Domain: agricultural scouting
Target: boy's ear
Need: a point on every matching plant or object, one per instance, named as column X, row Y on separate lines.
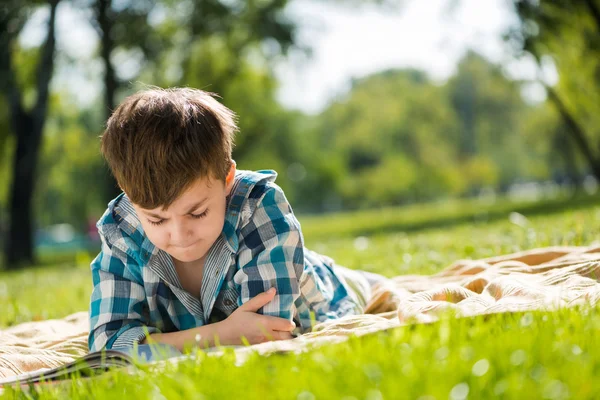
column 230, row 177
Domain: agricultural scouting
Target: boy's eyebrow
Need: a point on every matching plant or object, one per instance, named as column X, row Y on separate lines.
column 192, row 208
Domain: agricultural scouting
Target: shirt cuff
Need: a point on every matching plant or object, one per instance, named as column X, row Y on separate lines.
column 132, row 336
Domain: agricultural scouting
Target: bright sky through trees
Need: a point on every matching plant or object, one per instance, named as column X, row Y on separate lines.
column 347, row 41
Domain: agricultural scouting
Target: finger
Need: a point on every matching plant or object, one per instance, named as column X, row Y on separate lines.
column 278, row 324
column 258, row 301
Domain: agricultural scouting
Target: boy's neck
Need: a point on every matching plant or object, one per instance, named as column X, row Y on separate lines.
column 189, row 264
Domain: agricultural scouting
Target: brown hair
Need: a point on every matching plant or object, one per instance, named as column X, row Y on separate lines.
column 158, row 142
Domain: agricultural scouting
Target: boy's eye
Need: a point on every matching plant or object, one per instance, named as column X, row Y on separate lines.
column 202, row 215
column 195, row 216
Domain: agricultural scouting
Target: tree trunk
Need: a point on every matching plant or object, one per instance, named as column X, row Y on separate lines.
column 28, row 127
column 105, row 23
column 19, row 244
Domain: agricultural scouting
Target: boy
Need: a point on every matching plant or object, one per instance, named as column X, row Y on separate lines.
column 196, row 249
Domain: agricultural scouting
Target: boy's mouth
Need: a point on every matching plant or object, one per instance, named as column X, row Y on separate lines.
column 186, row 246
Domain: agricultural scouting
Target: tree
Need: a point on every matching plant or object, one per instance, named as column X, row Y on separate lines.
column 391, row 139
column 27, row 126
column 396, row 137
column 567, row 34
column 489, row 108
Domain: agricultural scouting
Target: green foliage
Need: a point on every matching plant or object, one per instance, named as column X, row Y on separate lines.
column 396, row 137
column 70, row 171
column 489, row 108
column 372, row 147
column 26, row 62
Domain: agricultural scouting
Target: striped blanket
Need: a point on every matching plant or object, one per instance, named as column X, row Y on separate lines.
column 540, row 279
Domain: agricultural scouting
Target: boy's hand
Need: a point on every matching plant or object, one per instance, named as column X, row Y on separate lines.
column 256, row 328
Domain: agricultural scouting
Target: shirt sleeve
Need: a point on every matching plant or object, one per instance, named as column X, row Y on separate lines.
column 117, row 302
column 271, row 254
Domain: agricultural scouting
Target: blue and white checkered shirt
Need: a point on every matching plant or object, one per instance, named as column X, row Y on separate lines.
column 137, row 290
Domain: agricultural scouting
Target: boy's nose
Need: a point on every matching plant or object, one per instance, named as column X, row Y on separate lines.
column 181, row 235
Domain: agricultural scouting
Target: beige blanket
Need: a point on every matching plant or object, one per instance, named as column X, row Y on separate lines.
column 541, row 279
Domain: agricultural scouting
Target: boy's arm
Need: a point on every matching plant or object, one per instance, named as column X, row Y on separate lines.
column 243, row 326
column 117, row 312
column 117, row 302
column 271, row 254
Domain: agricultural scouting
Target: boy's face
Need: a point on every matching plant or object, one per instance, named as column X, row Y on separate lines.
column 189, row 227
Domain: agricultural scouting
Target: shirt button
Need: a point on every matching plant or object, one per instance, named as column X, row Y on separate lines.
column 228, row 302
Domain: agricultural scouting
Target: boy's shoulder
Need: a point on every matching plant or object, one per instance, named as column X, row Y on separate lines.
column 249, row 188
column 252, row 184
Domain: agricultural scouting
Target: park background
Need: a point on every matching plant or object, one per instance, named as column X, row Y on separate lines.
column 356, row 104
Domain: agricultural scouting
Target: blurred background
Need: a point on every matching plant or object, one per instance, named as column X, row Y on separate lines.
column 357, row 104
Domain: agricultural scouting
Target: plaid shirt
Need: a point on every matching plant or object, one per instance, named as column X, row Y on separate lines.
column 137, row 290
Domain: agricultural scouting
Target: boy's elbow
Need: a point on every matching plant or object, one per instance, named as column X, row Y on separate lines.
column 124, row 336
column 103, row 336
column 96, row 341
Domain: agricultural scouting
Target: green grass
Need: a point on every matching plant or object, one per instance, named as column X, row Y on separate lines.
column 435, row 215
column 43, row 293
column 521, row 355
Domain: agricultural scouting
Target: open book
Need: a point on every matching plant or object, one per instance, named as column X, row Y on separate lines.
column 95, row 363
